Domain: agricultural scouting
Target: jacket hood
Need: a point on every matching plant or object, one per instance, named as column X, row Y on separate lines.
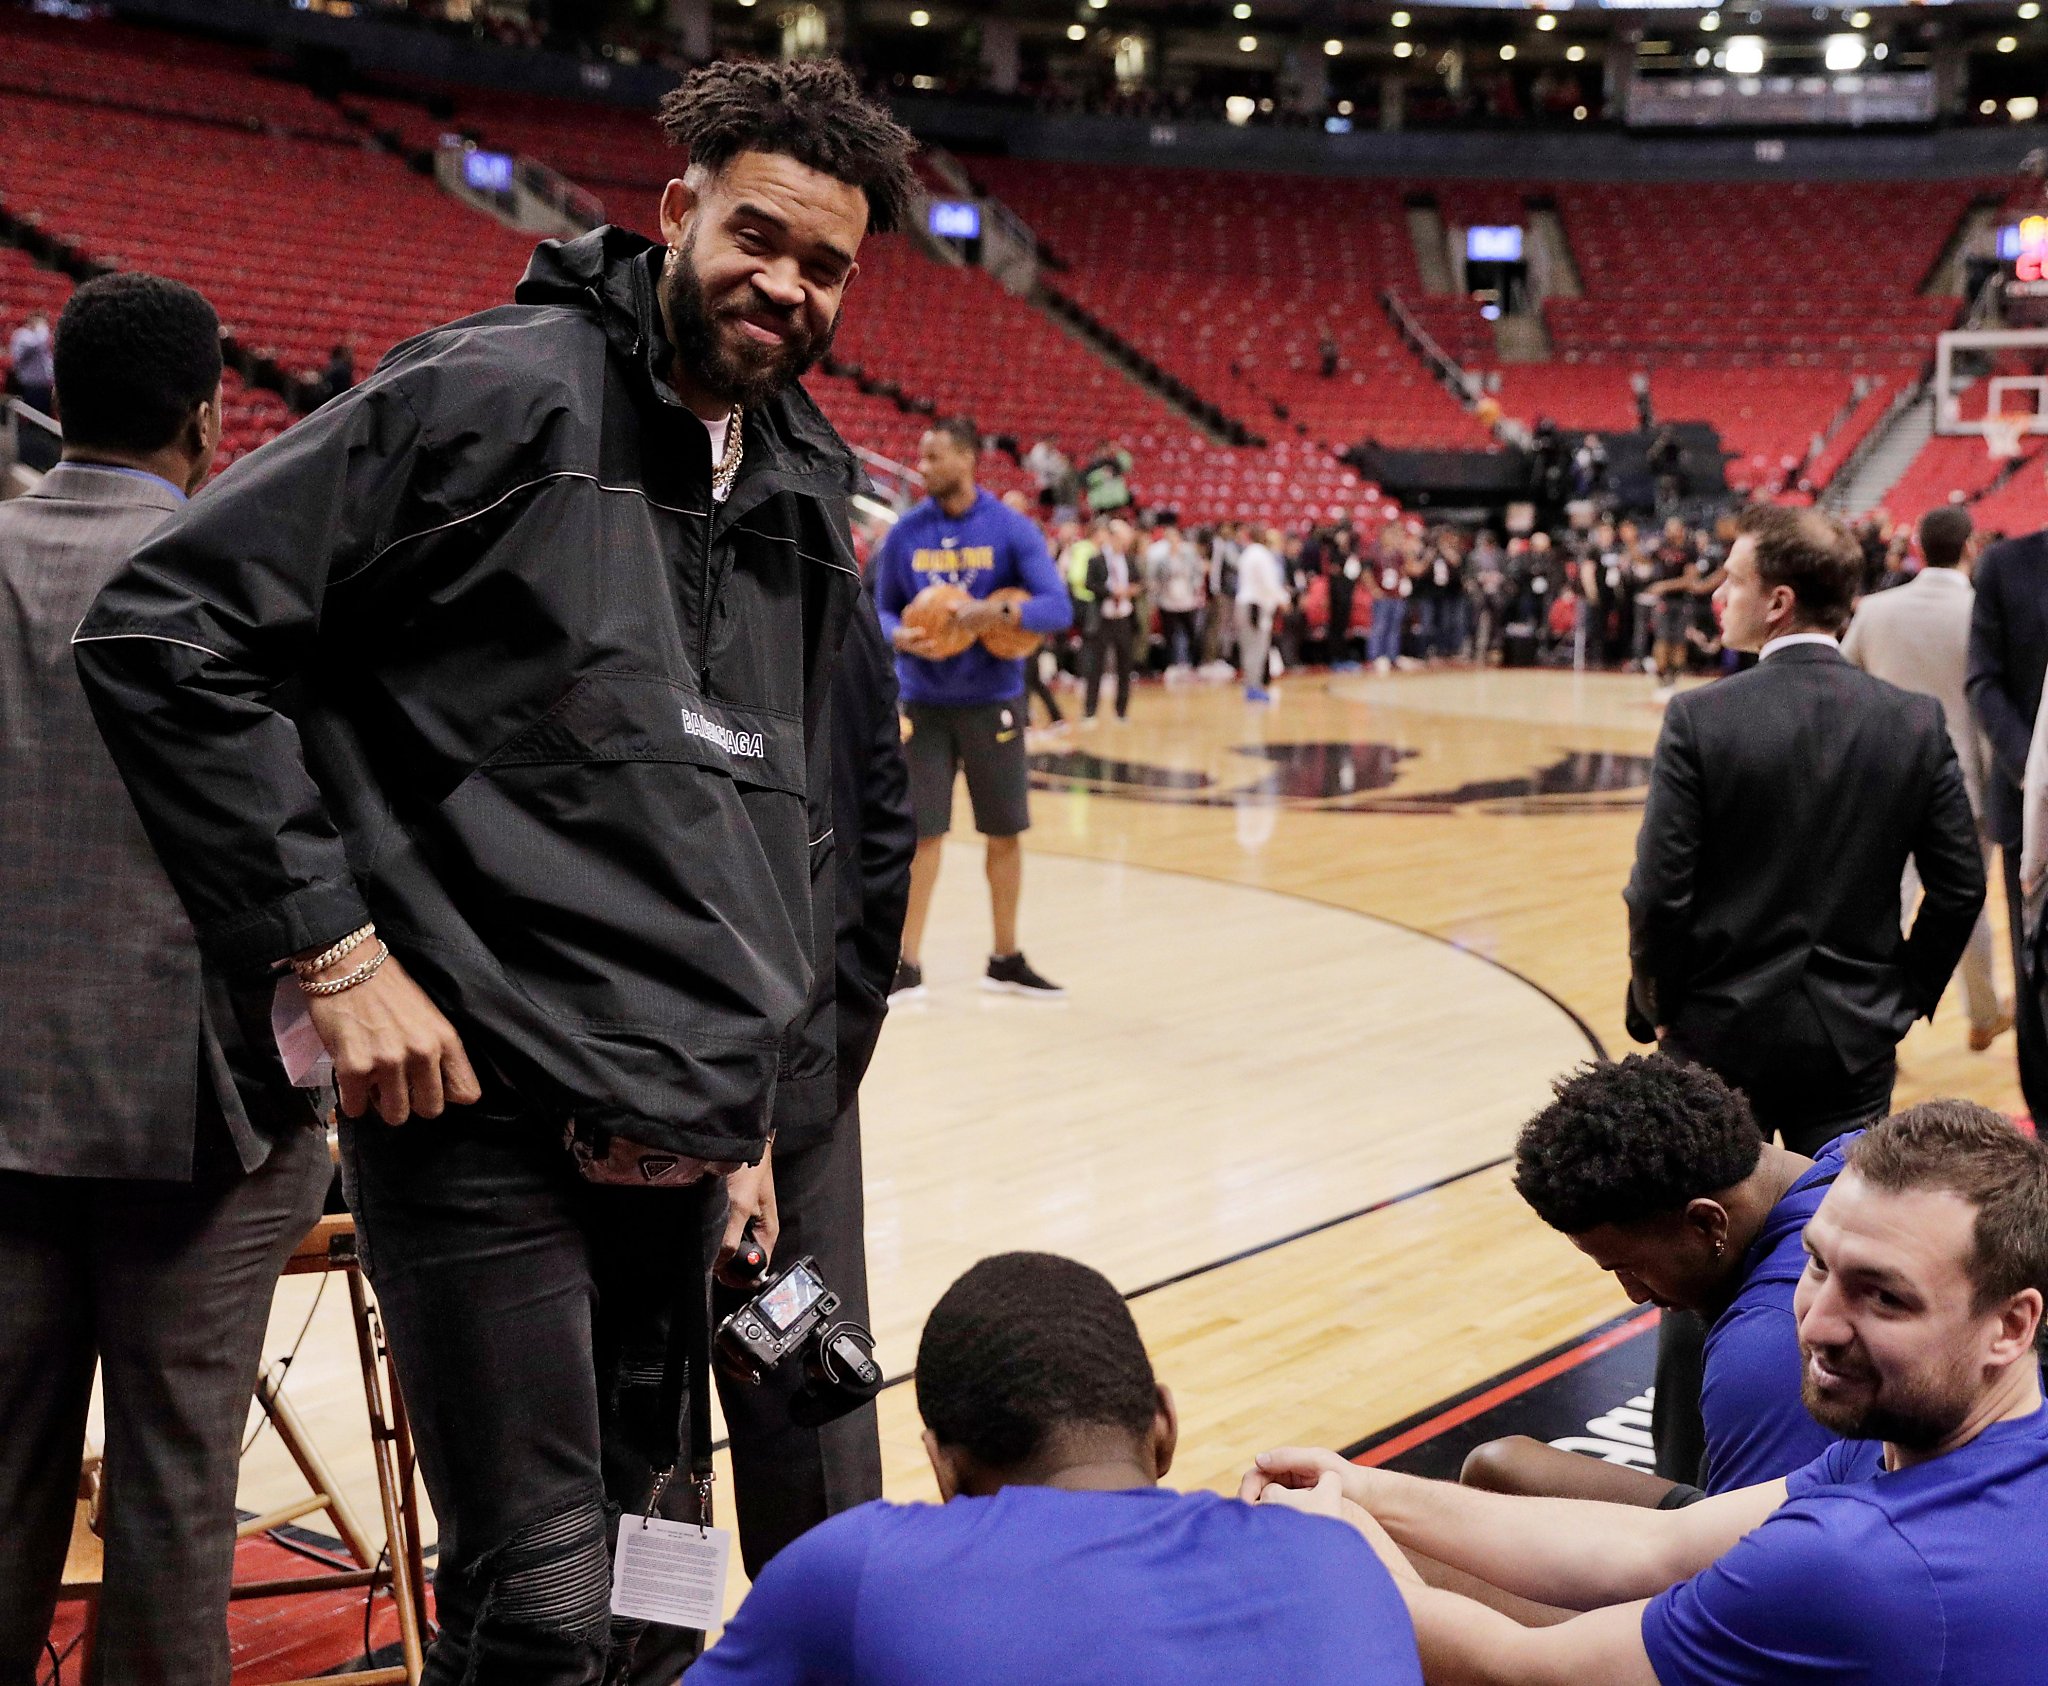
column 610, row 275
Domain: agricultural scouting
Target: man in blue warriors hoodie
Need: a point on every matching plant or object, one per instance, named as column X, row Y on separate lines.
column 967, row 711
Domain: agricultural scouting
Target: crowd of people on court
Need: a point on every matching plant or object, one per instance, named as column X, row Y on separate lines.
column 514, row 738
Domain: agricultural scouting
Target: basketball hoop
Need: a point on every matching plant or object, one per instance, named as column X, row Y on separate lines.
column 2002, row 435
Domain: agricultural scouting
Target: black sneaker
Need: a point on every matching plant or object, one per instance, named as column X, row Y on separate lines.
column 1011, row 974
column 908, row 984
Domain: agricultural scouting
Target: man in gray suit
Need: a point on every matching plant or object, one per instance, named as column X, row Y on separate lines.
column 155, row 1168
column 1917, row 637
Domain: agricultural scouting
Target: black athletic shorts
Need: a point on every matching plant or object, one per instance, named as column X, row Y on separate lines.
column 987, row 739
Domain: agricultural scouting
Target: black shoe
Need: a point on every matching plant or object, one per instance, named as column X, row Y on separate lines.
column 908, row 984
column 1011, row 974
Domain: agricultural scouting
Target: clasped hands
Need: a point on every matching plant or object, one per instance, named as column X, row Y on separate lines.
column 1323, row 1484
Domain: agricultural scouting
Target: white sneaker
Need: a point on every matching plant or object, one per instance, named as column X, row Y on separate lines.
column 1383, row 664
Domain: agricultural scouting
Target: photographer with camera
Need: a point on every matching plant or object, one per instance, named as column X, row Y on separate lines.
column 1056, row 1555
column 487, row 707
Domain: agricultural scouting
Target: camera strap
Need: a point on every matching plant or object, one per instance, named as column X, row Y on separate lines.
column 686, row 1382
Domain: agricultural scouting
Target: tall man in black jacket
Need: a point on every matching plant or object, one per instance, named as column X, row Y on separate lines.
column 1764, row 937
column 515, row 658
column 2008, row 656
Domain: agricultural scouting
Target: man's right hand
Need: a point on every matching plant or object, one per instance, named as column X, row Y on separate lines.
column 914, row 641
column 391, row 1046
column 1303, row 1468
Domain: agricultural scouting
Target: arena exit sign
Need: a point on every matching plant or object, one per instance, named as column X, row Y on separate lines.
column 488, row 172
column 955, row 219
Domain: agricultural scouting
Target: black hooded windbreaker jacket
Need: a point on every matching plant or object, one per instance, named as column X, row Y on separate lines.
column 471, row 652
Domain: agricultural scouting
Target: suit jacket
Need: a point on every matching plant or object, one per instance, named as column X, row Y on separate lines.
column 1917, row 636
column 112, row 1053
column 1784, row 803
column 2008, row 656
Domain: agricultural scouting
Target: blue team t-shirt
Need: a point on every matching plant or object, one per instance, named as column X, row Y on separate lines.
column 1757, row 1428
column 1931, row 1576
column 1034, row 1584
column 983, row 550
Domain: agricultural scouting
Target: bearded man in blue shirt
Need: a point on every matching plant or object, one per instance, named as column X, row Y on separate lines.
column 1927, row 1264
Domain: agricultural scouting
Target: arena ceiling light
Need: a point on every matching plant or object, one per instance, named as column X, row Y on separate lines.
column 1333, row 47
column 1711, row 22
column 1745, row 55
column 1238, row 109
column 1240, row 11
column 2031, row 10
column 1859, row 20
column 919, row 19
column 1545, row 22
column 1508, row 50
column 1578, row 114
column 1575, row 53
column 1345, row 108
column 1400, row 20
column 1077, row 32
column 1702, row 57
column 1404, row 49
column 2008, row 43
column 1845, row 52
column 1247, row 43
column 2023, row 109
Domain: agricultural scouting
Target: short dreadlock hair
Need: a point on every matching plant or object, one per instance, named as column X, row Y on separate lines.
column 1023, row 1346
column 811, row 110
column 1631, row 1140
column 135, row 355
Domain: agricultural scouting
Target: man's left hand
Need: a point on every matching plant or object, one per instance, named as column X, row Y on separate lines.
column 750, row 1196
column 979, row 617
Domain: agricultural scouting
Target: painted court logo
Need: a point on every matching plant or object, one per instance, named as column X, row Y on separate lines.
column 733, row 743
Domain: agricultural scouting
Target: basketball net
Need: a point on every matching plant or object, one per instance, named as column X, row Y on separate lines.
column 2002, row 434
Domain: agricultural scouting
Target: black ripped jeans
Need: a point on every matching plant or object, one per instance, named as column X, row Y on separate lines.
column 528, row 1312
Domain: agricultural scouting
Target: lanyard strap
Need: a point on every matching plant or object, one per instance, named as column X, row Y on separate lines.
column 686, row 1376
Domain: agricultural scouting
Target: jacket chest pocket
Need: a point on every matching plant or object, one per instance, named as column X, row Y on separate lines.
column 642, row 717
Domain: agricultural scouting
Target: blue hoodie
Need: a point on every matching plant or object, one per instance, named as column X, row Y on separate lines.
column 987, row 548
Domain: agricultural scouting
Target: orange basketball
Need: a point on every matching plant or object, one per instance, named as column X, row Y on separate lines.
column 933, row 611
column 1010, row 643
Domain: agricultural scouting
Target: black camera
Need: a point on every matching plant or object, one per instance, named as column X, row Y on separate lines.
column 791, row 1317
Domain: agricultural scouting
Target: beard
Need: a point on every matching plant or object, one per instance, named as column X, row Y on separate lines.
column 716, row 351
column 1916, row 1414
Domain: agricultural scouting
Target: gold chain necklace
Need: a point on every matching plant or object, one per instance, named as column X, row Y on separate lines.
column 728, row 469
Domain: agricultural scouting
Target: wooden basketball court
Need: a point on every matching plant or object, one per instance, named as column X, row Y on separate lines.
column 1322, row 959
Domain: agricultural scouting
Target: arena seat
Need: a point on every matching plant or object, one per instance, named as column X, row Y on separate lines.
column 320, row 241
column 1229, row 281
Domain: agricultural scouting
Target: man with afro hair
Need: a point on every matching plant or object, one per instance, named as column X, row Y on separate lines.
column 1656, row 1171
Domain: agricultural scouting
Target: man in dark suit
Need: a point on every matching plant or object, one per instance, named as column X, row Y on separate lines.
column 1764, row 933
column 155, row 1168
column 2008, row 656
column 1784, row 804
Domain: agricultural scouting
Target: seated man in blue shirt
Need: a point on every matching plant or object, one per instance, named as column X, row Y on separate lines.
column 966, row 710
column 1656, row 1171
column 1926, row 1268
column 1056, row 1556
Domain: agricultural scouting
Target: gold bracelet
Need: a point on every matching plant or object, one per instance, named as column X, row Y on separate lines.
column 340, row 951
column 361, row 975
